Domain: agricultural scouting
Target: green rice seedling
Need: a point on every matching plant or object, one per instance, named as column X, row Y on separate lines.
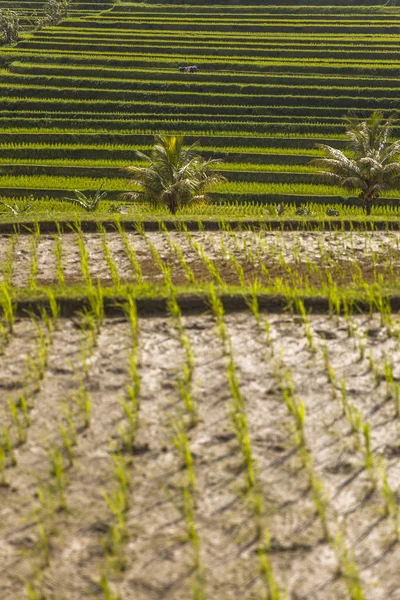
column 43, row 544
column 6, row 444
column 131, row 404
column 208, row 262
column 296, row 409
column 117, row 502
column 83, row 401
column 3, row 477
column 164, row 267
column 58, row 255
column 133, row 388
column 131, row 254
column 112, row 265
column 96, row 302
column 181, row 443
column 348, row 568
column 198, row 592
column 319, row 494
column 24, row 409
column 47, row 507
column 189, row 274
column 4, row 338
column 271, row 587
column 240, row 424
column 32, row 375
column 105, row 587
column 268, row 335
column 218, row 312
column 122, row 475
column 7, row 268
column 252, row 300
column 43, row 343
column 8, row 306
column 48, row 322
column 34, row 592
column 237, row 267
column 129, row 430
column 369, row 456
column 17, row 421
column 33, row 269
column 188, row 488
column 392, row 387
column 328, row 367
column 344, row 397
column 391, row 507
column 57, row 471
column 69, row 441
column 184, row 378
column 354, row 418
column 54, row 306
column 299, row 304
column 84, row 260
column 361, row 343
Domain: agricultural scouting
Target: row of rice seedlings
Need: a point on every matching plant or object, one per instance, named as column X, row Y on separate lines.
column 19, row 409
column 119, row 500
column 112, row 265
column 188, row 490
column 374, row 465
column 60, row 182
column 128, row 148
column 236, row 64
column 130, row 252
column 15, row 434
column 59, row 258
column 252, row 494
column 169, row 125
column 269, row 84
column 61, row 453
column 131, row 403
column 176, row 249
column 185, row 376
column 332, row 532
column 187, row 418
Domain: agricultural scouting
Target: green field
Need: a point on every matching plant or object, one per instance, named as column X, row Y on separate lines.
column 272, row 81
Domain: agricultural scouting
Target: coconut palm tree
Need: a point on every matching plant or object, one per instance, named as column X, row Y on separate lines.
column 176, row 175
column 374, row 164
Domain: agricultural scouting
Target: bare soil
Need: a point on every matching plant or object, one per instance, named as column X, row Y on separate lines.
column 159, row 559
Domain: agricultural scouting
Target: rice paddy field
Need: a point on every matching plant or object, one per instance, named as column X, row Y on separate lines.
column 78, row 99
column 203, row 406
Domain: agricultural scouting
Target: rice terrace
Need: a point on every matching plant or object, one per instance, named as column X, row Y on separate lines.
column 199, row 300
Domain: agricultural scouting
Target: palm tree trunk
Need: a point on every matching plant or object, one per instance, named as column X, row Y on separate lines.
column 172, row 205
column 367, row 205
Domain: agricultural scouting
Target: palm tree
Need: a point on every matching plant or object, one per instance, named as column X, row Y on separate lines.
column 176, row 175
column 374, row 166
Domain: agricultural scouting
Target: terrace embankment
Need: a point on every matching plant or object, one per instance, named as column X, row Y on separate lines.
column 78, row 99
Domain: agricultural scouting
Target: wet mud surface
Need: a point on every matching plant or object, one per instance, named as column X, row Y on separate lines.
column 157, row 555
column 303, row 259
